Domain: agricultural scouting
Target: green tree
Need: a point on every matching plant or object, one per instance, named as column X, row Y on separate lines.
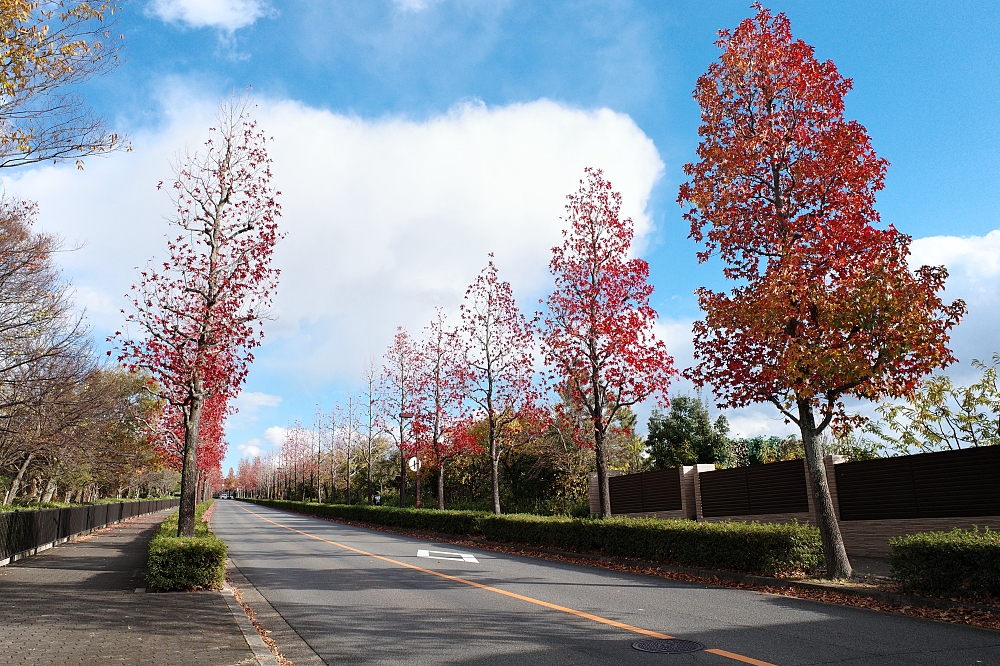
column 941, row 416
column 686, row 435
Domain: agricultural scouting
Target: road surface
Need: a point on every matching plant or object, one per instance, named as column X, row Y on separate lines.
column 360, row 596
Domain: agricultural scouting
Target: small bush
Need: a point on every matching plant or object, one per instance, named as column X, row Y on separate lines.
column 186, row 563
column 760, row 548
column 961, row 563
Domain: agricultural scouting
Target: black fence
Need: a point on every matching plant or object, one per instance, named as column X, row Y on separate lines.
column 659, row 490
column 756, row 490
column 945, row 484
column 22, row 531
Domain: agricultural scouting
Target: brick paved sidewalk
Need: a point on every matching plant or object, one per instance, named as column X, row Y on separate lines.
column 77, row 604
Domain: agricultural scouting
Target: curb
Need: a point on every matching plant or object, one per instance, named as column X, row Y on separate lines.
column 287, row 641
column 253, row 639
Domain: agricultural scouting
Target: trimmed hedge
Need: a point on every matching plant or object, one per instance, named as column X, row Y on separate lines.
column 186, row 563
column 961, row 563
column 759, row 548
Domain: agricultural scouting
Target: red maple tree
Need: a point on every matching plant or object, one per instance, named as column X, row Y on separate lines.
column 200, row 311
column 826, row 305
column 440, row 419
column 496, row 346
column 399, row 399
column 598, row 331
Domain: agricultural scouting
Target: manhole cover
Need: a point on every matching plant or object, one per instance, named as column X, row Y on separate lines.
column 668, row 646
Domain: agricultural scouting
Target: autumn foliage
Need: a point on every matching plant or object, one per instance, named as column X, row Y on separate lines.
column 200, row 311
column 598, row 332
column 783, row 193
column 496, row 343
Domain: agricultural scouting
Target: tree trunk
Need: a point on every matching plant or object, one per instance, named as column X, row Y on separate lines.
column 603, row 494
column 402, row 478
column 441, row 485
column 50, row 490
column 495, row 470
column 371, row 490
column 418, row 483
column 16, row 483
column 189, row 472
column 834, row 553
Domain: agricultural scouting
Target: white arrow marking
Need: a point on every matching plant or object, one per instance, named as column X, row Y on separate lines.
column 441, row 555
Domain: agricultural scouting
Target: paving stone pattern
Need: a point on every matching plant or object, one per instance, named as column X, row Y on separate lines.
column 77, row 604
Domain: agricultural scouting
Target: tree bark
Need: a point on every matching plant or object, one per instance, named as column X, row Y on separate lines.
column 15, row 485
column 441, row 485
column 495, row 469
column 50, row 490
column 834, row 553
column 603, row 493
column 189, row 472
column 402, row 477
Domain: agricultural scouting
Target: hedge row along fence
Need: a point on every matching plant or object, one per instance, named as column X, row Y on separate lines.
column 186, row 563
column 24, row 533
column 758, row 548
column 957, row 564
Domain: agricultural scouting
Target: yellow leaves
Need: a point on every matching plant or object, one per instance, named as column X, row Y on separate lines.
column 79, row 165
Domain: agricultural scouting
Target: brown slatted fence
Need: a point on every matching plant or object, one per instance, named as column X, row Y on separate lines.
column 778, row 488
column 755, row 491
column 724, row 492
column 944, row 484
column 647, row 492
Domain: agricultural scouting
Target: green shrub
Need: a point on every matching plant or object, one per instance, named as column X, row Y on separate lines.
column 186, row 563
column 961, row 563
column 760, row 548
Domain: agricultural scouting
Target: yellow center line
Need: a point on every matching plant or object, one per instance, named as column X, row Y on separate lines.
column 513, row 595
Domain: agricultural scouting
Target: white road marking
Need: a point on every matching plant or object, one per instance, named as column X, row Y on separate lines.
column 442, row 555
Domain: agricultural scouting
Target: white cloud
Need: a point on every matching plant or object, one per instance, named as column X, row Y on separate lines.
column 249, row 449
column 249, row 402
column 227, row 15
column 973, row 264
column 386, row 219
column 275, row 436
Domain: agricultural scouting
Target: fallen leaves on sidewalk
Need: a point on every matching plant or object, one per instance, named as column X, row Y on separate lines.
column 268, row 641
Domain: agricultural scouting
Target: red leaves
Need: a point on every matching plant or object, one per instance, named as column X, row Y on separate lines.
column 440, row 426
column 784, row 193
column 496, row 346
column 598, row 333
column 201, row 315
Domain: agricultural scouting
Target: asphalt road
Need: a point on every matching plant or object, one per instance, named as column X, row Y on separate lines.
column 359, row 596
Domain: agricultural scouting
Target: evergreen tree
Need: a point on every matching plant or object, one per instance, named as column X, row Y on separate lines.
column 686, row 435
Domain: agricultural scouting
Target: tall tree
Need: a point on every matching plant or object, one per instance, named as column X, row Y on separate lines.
column 440, row 388
column 373, row 423
column 826, row 305
column 399, row 391
column 49, row 48
column 201, row 310
column 496, row 342
column 598, row 333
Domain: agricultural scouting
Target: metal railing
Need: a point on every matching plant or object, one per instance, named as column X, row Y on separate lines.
column 24, row 533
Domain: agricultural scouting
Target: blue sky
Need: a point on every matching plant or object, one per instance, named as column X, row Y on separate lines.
column 413, row 137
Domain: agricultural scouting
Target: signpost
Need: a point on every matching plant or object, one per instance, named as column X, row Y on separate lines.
column 414, row 465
